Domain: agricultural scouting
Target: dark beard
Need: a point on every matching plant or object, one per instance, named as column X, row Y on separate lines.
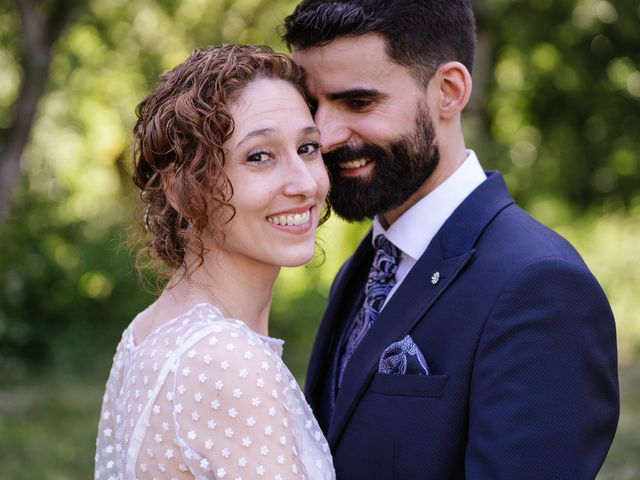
column 400, row 168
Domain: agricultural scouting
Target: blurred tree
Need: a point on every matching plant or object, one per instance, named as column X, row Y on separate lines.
column 41, row 25
column 564, row 101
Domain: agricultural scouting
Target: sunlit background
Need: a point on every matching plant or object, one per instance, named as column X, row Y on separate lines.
column 556, row 107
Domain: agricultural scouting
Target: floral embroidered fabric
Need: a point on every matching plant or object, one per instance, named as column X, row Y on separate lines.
column 206, row 397
column 403, row 358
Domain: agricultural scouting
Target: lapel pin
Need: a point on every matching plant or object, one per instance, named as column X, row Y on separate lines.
column 435, row 278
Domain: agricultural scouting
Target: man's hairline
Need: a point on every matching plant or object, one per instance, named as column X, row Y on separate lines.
column 418, row 73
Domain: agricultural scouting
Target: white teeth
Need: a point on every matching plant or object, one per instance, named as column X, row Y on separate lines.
column 291, row 220
column 354, row 164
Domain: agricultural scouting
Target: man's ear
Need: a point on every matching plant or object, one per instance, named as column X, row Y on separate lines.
column 454, row 88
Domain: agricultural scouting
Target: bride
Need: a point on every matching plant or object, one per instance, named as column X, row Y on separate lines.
column 228, row 162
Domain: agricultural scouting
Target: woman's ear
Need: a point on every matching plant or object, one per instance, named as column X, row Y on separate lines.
column 454, row 88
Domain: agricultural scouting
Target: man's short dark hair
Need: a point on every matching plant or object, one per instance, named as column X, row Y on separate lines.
column 420, row 34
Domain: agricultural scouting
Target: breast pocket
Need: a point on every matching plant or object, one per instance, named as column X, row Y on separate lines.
column 429, row 386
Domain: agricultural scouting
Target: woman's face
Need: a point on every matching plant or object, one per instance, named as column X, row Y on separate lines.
column 279, row 180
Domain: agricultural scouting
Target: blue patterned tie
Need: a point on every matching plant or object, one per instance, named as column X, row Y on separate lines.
column 382, row 278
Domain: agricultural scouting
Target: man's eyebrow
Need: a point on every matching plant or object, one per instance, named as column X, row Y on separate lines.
column 356, row 93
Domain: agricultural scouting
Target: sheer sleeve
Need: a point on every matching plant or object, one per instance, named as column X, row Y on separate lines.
column 110, row 431
column 231, row 415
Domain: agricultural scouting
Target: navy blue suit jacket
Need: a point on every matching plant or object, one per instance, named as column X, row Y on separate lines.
column 521, row 344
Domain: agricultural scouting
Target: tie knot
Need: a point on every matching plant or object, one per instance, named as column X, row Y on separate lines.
column 382, row 243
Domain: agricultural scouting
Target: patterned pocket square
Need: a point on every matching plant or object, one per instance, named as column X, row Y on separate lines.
column 403, row 358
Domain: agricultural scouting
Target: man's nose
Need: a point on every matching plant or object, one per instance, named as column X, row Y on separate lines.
column 334, row 131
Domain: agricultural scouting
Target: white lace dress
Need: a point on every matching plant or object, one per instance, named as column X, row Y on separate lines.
column 206, row 397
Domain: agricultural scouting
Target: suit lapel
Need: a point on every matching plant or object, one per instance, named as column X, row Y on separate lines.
column 396, row 320
column 448, row 253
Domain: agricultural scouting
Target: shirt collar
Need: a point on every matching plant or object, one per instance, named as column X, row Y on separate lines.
column 414, row 229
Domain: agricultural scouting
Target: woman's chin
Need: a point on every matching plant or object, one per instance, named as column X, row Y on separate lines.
column 297, row 259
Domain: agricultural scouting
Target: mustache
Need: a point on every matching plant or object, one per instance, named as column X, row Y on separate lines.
column 347, row 153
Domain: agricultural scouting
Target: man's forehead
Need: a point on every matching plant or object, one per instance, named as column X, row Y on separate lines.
column 347, row 63
column 342, row 49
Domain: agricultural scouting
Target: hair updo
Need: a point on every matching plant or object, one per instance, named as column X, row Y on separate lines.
column 178, row 152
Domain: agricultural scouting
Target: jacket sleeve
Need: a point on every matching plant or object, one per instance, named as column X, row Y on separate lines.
column 544, row 399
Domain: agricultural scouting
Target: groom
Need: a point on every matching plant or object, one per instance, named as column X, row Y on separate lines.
column 463, row 339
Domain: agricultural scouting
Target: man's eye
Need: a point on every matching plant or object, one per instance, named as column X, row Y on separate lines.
column 359, row 104
column 258, row 156
column 309, row 148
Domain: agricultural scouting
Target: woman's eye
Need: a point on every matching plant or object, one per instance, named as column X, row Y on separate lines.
column 309, row 148
column 258, row 156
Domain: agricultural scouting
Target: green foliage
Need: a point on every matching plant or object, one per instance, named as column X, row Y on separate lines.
column 61, row 306
column 564, row 100
column 10, row 75
column 557, row 111
column 48, row 429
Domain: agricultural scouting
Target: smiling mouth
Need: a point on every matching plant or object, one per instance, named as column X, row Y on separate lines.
column 353, row 164
column 291, row 219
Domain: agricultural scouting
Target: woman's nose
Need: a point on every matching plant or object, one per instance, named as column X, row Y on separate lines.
column 300, row 178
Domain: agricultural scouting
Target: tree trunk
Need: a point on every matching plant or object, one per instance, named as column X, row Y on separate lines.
column 39, row 33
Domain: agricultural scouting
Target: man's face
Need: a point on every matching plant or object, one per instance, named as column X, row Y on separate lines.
column 378, row 139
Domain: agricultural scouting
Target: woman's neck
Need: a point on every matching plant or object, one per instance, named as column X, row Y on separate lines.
column 242, row 288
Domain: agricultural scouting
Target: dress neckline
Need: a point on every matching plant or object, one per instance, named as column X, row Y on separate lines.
column 275, row 343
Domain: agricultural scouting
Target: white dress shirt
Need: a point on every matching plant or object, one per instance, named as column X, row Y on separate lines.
column 413, row 231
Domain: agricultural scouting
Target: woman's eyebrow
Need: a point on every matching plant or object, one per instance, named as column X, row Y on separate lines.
column 261, row 132
column 265, row 132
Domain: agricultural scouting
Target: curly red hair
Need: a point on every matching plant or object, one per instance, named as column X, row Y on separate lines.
column 178, row 155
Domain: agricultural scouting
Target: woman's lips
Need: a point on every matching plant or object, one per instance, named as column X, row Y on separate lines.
column 290, row 219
